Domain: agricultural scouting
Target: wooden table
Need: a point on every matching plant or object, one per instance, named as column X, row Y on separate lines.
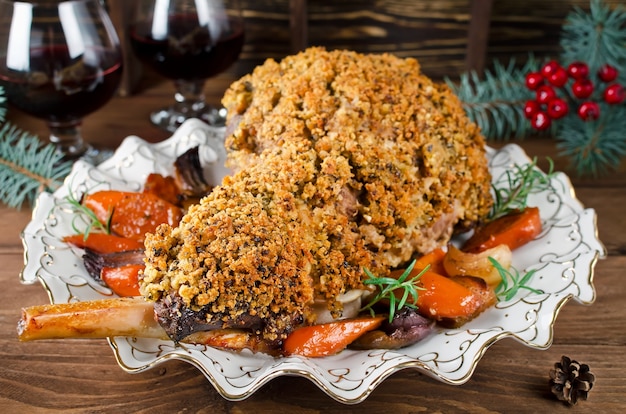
column 82, row 375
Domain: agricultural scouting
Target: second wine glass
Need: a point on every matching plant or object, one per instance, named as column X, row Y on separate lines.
column 188, row 41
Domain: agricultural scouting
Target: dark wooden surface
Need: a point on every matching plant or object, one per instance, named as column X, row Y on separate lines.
column 82, row 376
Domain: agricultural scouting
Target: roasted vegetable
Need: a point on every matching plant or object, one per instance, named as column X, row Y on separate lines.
column 103, row 243
column 92, row 319
column 328, row 338
column 406, row 328
column 514, row 229
column 132, row 214
column 163, row 187
column 123, row 280
column 483, row 293
column 190, row 174
column 233, row 339
column 460, row 263
column 445, row 299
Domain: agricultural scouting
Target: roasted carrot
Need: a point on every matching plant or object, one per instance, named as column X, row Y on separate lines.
column 123, row 280
column 139, row 213
column 440, row 297
column 328, row 338
column 434, row 259
column 515, row 229
column 103, row 202
column 443, row 298
column 103, row 243
column 132, row 214
column 163, row 187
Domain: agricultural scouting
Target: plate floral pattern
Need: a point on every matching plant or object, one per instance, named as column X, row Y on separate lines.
column 563, row 256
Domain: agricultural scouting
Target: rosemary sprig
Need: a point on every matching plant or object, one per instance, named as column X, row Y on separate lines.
column 522, row 181
column 512, row 281
column 88, row 217
column 388, row 285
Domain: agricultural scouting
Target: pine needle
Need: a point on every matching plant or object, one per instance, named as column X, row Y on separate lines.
column 595, row 147
column 27, row 167
column 596, row 37
column 495, row 102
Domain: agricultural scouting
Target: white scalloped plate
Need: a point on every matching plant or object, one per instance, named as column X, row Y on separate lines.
column 564, row 256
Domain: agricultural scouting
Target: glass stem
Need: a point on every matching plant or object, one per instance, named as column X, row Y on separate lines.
column 189, row 97
column 189, row 103
column 67, row 137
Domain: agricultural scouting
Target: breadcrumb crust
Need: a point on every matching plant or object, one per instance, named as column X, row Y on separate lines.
column 342, row 161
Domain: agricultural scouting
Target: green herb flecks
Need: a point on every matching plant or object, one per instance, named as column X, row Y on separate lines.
column 388, row 285
column 521, row 181
column 512, row 282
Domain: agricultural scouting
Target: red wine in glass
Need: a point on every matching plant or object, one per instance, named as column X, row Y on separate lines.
column 59, row 88
column 188, row 42
column 189, row 52
column 60, row 60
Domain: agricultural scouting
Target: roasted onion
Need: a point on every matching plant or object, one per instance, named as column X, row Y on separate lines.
column 459, row 263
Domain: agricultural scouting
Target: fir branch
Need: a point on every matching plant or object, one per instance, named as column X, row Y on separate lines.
column 27, row 167
column 597, row 37
column 496, row 102
column 594, row 147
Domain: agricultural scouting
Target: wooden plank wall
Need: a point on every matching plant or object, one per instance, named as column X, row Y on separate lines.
column 434, row 31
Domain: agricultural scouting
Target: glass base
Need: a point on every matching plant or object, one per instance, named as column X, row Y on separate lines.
column 91, row 155
column 68, row 141
column 96, row 156
column 170, row 119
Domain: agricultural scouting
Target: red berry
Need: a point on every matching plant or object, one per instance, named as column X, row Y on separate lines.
column 549, row 68
column 531, row 108
column 582, row 88
column 588, row 110
column 558, row 77
column 578, row 70
column 607, row 73
column 545, row 93
column 557, row 108
column 534, row 80
column 614, row 94
column 540, row 121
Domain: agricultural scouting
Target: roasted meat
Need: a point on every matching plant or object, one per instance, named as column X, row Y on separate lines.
column 341, row 161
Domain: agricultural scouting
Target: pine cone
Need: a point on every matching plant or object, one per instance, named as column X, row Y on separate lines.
column 570, row 380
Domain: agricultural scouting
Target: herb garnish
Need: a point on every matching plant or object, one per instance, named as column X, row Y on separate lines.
column 522, row 181
column 88, row 216
column 512, row 281
column 387, row 286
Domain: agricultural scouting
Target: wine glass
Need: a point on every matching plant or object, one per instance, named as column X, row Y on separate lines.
column 187, row 41
column 59, row 61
